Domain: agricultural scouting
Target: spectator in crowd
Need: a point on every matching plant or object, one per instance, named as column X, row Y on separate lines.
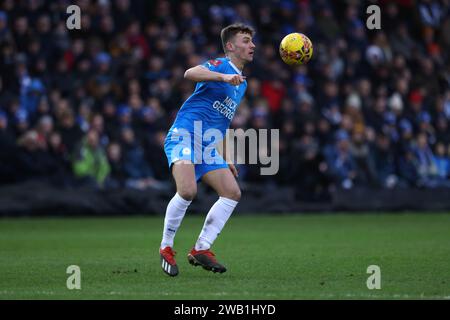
column 34, row 162
column 426, row 165
column 59, row 153
column 111, row 122
column 138, row 172
column 90, row 163
column 442, row 130
column 117, row 177
column 362, row 153
column 385, row 163
column 442, row 163
column 154, row 150
column 309, row 171
column 408, row 168
column 340, row 161
column 21, row 122
column 70, row 132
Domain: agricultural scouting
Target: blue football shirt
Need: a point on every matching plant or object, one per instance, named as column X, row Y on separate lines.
column 213, row 103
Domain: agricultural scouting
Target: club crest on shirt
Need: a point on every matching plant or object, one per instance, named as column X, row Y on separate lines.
column 215, row 63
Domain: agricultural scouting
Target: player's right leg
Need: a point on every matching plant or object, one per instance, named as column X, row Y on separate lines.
column 184, row 174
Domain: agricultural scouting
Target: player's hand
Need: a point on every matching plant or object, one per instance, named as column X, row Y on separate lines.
column 233, row 169
column 233, row 79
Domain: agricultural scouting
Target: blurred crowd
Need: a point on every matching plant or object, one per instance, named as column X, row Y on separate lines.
column 92, row 106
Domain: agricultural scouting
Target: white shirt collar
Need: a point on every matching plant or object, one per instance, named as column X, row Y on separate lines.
column 234, row 67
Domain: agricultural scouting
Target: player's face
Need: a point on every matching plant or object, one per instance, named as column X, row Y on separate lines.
column 243, row 46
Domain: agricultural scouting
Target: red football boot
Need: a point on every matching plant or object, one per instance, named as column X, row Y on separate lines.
column 206, row 259
column 168, row 263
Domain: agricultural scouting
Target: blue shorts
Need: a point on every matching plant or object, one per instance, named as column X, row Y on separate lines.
column 183, row 147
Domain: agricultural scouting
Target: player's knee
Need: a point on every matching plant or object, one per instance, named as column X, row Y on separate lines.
column 233, row 194
column 188, row 193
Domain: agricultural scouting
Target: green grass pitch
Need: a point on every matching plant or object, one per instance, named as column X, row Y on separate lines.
column 268, row 257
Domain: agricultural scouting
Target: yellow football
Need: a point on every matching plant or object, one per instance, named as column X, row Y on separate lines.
column 296, row 49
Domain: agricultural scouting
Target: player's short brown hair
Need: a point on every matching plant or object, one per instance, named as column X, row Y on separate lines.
column 229, row 32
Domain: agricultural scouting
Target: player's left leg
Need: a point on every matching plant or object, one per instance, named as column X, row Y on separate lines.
column 226, row 186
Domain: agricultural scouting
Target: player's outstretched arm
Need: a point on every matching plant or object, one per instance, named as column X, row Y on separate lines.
column 200, row 74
